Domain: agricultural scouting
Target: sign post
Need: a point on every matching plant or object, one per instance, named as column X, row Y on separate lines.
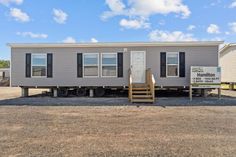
column 205, row 78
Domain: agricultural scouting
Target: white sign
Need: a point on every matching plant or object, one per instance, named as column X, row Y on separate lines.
column 205, row 77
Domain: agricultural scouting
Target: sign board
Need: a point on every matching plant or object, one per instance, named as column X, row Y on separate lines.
column 205, row 77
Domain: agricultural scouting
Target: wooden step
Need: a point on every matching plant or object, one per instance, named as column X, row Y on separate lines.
column 140, row 85
column 143, row 100
column 142, row 92
column 141, row 96
column 141, row 88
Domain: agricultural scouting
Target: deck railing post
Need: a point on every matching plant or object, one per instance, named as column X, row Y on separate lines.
column 150, row 81
column 130, row 86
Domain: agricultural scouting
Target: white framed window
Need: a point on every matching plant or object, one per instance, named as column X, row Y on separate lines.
column 39, row 65
column 90, row 64
column 172, row 64
column 109, row 64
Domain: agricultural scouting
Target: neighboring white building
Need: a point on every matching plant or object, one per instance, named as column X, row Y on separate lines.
column 4, row 73
column 228, row 63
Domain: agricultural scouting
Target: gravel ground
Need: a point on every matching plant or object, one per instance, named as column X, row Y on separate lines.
column 45, row 126
column 11, row 96
column 117, row 131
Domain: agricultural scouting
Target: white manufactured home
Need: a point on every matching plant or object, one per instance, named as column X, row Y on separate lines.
column 4, row 73
column 4, row 76
column 140, row 67
column 228, row 63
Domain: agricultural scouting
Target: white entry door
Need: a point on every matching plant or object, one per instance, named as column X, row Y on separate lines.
column 138, row 66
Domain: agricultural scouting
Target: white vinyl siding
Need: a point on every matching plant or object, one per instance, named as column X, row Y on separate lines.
column 39, row 65
column 109, row 65
column 172, row 64
column 65, row 69
column 91, row 64
column 228, row 64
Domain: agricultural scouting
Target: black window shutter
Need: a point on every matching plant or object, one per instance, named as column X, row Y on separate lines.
column 182, row 64
column 79, row 65
column 120, row 64
column 163, row 64
column 28, row 65
column 49, row 65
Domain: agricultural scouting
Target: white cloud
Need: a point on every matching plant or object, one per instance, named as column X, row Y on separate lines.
column 191, row 27
column 19, row 15
column 59, row 16
column 233, row 4
column 115, row 5
column 213, row 39
column 94, row 40
column 217, row 39
column 8, row 2
column 134, row 24
column 213, row 29
column 159, row 35
column 32, row 35
column 216, row 2
column 139, row 11
column 227, row 33
column 233, row 26
column 69, row 40
column 145, row 8
column 150, row 7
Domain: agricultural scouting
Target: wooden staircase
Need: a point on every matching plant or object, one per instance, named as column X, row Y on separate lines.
column 143, row 93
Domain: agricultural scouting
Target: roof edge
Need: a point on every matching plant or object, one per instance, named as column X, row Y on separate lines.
column 227, row 46
column 116, row 44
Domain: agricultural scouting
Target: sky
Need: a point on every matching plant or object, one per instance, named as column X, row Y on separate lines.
column 75, row 21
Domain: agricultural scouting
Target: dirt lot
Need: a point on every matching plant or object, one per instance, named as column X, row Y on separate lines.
column 40, row 126
column 15, row 92
column 117, row 131
column 11, row 96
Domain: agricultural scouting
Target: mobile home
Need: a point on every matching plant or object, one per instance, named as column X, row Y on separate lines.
column 4, row 76
column 228, row 63
column 4, row 73
column 140, row 67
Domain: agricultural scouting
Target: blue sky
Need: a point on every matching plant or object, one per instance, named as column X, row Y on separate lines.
column 55, row 21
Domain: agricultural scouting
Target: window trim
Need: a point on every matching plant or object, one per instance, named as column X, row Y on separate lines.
column 167, row 53
column 46, row 65
column 84, row 54
column 109, row 65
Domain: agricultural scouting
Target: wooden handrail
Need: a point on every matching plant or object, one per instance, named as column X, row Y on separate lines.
column 130, row 85
column 153, row 87
column 150, row 80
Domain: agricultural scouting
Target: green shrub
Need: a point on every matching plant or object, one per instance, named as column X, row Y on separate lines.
column 4, row 64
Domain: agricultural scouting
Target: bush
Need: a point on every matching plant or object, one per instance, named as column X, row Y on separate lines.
column 4, row 64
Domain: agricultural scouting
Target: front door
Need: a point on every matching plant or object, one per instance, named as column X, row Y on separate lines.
column 138, row 66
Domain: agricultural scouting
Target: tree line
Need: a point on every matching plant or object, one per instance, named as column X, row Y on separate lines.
column 4, row 63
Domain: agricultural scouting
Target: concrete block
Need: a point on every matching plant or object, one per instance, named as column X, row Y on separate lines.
column 91, row 93
column 55, row 92
column 24, row 92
